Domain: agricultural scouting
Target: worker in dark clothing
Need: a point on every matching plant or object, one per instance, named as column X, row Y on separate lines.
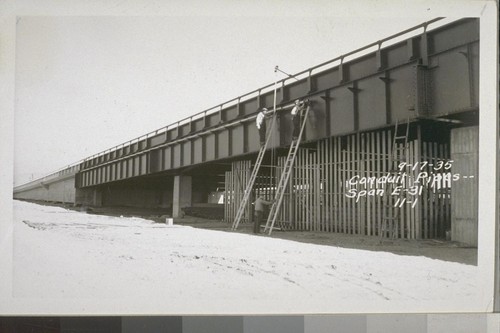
column 296, row 115
column 259, row 212
column 260, row 122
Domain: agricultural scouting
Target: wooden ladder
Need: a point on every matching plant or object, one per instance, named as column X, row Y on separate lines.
column 285, row 176
column 398, row 155
column 248, row 190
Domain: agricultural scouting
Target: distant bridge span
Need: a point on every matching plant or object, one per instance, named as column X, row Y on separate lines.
column 430, row 79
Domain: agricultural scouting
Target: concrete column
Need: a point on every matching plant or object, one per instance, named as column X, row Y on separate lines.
column 182, row 194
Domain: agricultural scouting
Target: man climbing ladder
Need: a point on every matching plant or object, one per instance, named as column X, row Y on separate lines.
column 264, row 140
column 260, row 122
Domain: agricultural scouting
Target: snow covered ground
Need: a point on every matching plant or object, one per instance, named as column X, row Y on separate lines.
column 138, row 266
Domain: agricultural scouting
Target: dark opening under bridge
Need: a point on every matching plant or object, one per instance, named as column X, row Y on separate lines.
column 429, row 82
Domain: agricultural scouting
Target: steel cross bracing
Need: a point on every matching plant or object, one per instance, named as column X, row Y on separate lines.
column 251, row 181
column 285, row 176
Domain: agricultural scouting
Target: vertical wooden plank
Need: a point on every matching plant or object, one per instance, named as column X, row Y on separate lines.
column 296, row 195
column 335, row 188
column 448, row 193
column 319, row 209
column 233, row 194
column 319, row 180
column 332, row 186
column 232, row 197
column 442, row 224
column 380, row 172
column 364, row 170
column 300, row 217
column 374, row 173
column 305, row 201
column 237, row 187
column 425, row 199
column 343, row 190
column 345, row 167
column 354, row 170
column 334, row 169
column 308, row 205
column 418, row 206
column 385, row 199
column 360, row 169
column 301, row 198
column 310, row 192
column 298, row 198
column 377, row 169
column 367, row 160
column 324, row 191
column 226, row 191
column 326, row 180
column 334, row 209
column 296, row 184
column 413, row 198
column 408, row 227
column 349, row 168
column 431, row 192
column 437, row 205
column 370, row 213
column 314, row 192
column 418, row 231
column 446, row 196
column 305, row 189
column 436, row 195
column 289, row 212
column 234, row 201
column 319, row 199
column 299, row 210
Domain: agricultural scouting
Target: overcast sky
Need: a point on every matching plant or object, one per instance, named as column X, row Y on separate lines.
column 87, row 83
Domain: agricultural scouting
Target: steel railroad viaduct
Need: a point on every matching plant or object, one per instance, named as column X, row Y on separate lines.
column 429, row 80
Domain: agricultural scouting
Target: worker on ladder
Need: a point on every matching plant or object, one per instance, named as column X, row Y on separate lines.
column 296, row 115
column 260, row 122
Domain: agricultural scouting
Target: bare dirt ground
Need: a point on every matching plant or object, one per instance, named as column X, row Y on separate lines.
column 436, row 249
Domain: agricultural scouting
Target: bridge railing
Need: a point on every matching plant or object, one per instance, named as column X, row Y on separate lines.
column 59, row 173
column 252, row 94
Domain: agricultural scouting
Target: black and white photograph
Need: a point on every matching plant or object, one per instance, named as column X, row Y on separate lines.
column 237, row 158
